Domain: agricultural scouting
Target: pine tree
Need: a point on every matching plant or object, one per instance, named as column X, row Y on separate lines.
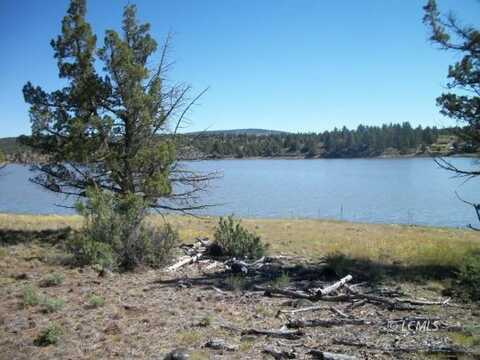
column 108, row 130
column 464, row 76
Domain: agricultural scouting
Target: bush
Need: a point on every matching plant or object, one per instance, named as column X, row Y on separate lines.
column 232, row 239
column 51, row 305
column 30, row 297
column 116, row 235
column 50, row 336
column 54, row 279
column 469, row 277
column 95, row 301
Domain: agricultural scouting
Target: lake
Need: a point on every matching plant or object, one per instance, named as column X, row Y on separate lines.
column 402, row 191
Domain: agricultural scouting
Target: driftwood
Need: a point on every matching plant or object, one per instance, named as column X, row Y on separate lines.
column 184, row 261
column 318, row 354
column 329, row 289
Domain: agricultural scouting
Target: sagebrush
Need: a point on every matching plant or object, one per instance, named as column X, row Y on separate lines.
column 116, row 235
column 232, row 239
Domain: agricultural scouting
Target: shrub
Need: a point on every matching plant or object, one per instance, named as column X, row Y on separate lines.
column 51, row 305
column 87, row 251
column 50, row 336
column 469, row 277
column 30, row 297
column 232, row 239
column 116, row 235
column 54, row 279
column 95, row 301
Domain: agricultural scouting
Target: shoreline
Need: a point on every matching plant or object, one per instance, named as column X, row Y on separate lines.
column 66, row 218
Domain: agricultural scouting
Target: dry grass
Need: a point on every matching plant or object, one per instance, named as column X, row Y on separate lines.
column 408, row 245
column 162, row 315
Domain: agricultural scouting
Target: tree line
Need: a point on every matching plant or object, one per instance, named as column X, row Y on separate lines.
column 364, row 141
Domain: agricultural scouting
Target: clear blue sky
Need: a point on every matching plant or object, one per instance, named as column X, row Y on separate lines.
column 295, row 65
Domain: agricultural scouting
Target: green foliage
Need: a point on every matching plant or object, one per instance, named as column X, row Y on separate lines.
column 30, row 297
column 108, row 131
column 95, row 301
column 51, row 305
column 364, row 141
column 111, row 122
column 50, row 336
column 53, row 279
column 115, row 234
column 469, row 277
column 232, row 239
column 2, row 157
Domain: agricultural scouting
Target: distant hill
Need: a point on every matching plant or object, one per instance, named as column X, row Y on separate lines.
column 10, row 145
column 257, row 132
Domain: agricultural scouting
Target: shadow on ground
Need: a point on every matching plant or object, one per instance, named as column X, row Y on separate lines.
column 307, row 275
column 51, row 236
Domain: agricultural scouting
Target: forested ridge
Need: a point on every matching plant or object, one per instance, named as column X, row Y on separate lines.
column 364, row 141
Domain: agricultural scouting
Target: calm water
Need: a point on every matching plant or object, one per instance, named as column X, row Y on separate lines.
column 407, row 191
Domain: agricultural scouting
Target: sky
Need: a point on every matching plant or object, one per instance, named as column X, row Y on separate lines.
column 293, row 65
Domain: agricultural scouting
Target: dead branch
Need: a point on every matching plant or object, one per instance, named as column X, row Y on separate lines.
column 297, row 324
column 279, row 354
column 329, row 289
column 282, row 333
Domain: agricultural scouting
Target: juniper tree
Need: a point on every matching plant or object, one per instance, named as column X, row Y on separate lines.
column 462, row 100
column 112, row 128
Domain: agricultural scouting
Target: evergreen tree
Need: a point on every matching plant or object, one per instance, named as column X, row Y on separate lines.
column 103, row 130
column 463, row 75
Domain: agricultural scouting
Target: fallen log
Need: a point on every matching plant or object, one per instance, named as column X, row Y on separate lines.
column 184, row 261
column 391, row 304
column 279, row 354
column 285, row 334
column 305, row 309
column 432, row 349
column 290, row 293
column 220, row 344
column 318, row 354
column 329, row 289
column 299, row 323
column 425, row 302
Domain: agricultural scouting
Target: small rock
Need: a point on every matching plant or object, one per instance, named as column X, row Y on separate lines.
column 177, row 354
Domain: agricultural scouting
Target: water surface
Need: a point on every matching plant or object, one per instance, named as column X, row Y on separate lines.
column 404, row 191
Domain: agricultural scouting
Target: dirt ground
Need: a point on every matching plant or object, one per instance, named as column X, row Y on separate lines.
column 147, row 314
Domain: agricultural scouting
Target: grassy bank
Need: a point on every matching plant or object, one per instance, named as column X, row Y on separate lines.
column 389, row 244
